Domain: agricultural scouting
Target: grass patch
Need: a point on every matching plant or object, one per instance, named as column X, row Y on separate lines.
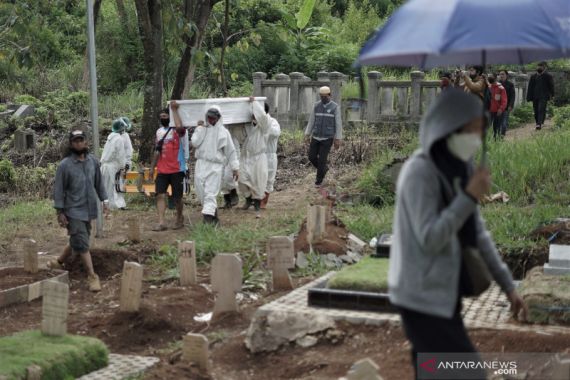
column 366, row 221
column 368, row 275
column 24, row 216
column 66, row 357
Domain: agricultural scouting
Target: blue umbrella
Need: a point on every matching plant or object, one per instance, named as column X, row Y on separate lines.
column 432, row 33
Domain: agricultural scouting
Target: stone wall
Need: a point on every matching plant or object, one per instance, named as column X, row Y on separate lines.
column 292, row 96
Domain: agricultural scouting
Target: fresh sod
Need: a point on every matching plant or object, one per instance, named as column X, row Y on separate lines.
column 60, row 358
column 368, row 275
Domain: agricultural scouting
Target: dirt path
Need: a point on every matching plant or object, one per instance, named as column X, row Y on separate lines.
column 526, row 131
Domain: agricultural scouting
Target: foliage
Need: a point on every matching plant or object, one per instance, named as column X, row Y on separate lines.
column 521, row 115
column 561, row 117
column 65, row 357
column 368, row 275
column 34, row 182
column 316, row 266
column 24, row 215
column 7, row 176
column 367, row 221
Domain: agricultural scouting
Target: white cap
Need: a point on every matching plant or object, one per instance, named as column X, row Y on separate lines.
column 325, row 90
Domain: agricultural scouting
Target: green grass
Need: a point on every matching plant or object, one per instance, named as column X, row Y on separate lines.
column 369, row 275
column 60, row 358
column 366, row 221
column 526, row 168
column 25, row 216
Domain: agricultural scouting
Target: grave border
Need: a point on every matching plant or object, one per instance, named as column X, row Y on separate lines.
column 29, row 292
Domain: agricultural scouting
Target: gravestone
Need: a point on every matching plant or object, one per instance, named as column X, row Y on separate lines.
column 24, row 140
column 281, row 258
column 355, row 244
column 30, row 256
column 316, row 223
column 195, row 350
column 54, row 308
column 131, row 287
column 24, row 110
column 365, row 369
column 134, row 234
column 226, row 280
column 34, row 372
column 187, row 262
column 558, row 260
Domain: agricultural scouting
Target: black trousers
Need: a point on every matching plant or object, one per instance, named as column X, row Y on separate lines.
column 428, row 333
column 539, row 106
column 318, row 155
column 498, row 125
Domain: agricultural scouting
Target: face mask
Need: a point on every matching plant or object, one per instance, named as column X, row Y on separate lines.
column 540, row 71
column 473, row 76
column 165, row 122
column 464, row 145
column 491, row 80
column 325, row 99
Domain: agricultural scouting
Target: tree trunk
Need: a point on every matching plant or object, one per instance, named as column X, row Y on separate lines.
column 149, row 15
column 197, row 12
column 225, row 36
column 85, row 79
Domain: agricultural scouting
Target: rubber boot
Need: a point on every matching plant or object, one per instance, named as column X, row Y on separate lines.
column 248, row 203
column 256, row 205
column 94, row 283
column 264, row 201
column 209, row 219
column 216, row 220
column 234, row 197
column 227, row 201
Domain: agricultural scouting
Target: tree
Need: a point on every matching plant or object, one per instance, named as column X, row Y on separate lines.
column 196, row 16
column 149, row 14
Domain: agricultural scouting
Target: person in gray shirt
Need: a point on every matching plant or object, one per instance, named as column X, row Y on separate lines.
column 324, row 130
column 77, row 190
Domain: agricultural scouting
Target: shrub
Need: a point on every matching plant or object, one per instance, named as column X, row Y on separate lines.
column 562, row 117
column 27, row 99
column 521, row 115
column 7, row 176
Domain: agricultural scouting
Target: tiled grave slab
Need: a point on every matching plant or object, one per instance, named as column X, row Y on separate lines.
column 122, row 367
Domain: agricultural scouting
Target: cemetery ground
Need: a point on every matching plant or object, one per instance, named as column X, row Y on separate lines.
column 169, row 311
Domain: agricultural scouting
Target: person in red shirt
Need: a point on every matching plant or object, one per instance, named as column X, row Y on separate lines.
column 498, row 104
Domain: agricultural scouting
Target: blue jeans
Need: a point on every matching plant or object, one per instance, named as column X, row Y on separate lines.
column 498, row 125
column 505, row 123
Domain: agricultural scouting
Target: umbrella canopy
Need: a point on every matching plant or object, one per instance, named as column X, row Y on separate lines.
column 433, row 33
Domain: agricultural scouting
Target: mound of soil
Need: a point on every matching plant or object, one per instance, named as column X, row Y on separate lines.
column 521, row 262
column 557, row 233
column 166, row 314
column 13, row 277
column 334, row 241
column 107, row 263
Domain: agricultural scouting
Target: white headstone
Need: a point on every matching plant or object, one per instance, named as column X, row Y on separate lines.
column 54, row 308
column 316, row 223
column 131, row 287
column 281, row 258
column 195, row 350
column 187, row 261
column 226, row 278
column 30, row 256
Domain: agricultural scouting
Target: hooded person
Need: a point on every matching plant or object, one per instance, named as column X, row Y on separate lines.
column 128, row 154
column 253, row 162
column 214, row 149
column 436, row 220
column 272, row 139
column 113, row 160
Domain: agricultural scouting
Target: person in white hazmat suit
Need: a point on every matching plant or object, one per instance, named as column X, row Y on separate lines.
column 272, row 139
column 229, row 184
column 253, row 163
column 214, row 148
column 113, row 160
column 129, row 156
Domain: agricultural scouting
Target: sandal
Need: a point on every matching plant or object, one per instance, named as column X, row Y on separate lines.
column 159, row 227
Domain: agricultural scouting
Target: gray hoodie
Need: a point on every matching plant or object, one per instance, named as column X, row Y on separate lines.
column 425, row 258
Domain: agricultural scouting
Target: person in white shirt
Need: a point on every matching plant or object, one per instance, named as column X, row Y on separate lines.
column 113, row 160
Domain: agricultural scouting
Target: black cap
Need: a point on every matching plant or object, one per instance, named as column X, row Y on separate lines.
column 77, row 134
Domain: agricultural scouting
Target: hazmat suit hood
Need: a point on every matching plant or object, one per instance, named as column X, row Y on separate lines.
column 216, row 108
column 450, row 111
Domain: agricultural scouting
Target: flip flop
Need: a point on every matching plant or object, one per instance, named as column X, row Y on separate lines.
column 159, row 227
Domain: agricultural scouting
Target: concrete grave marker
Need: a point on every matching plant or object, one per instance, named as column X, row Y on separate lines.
column 195, row 350
column 54, row 308
column 316, row 223
column 30, row 256
column 131, row 287
column 558, row 260
column 365, row 369
column 226, row 280
column 355, row 244
column 134, row 233
column 281, row 258
column 187, row 262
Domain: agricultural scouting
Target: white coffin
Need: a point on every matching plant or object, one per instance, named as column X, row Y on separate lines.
column 234, row 110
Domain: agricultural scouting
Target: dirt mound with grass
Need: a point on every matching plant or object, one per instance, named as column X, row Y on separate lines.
column 334, row 241
column 556, row 233
column 13, row 277
column 107, row 263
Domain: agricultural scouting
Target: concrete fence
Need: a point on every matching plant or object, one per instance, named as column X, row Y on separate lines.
column 291, row 97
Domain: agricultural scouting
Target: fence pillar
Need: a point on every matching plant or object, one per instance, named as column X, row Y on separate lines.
column 374, row 78
column 521, row 85
column 258, row 78
column 336, row 85
column 294, row 94
column 323, row 76
column 416, row 95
